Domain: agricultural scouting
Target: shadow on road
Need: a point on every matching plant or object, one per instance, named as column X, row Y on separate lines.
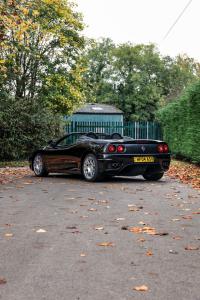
column 112, row 180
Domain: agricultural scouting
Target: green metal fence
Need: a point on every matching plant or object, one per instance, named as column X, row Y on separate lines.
column 136, row 130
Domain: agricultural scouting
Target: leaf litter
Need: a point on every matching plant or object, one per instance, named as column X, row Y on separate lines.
column 106, row 244
column 3, row 280
column 141, row 288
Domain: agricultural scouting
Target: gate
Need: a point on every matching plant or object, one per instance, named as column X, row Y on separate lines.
column 136, row 130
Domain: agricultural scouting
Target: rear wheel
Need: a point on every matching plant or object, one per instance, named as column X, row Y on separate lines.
column 90, row 168
column 38, row 166
column 153, row 177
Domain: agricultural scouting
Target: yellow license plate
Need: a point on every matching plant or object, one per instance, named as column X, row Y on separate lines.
column 143, row 159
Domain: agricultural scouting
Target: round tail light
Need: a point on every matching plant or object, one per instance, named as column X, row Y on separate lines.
column 166, row 148
column 111, row 148
column 163, row 148
column 120, row 148
column 160, row 148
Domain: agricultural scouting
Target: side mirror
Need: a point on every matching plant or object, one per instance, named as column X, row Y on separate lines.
column 52, row 143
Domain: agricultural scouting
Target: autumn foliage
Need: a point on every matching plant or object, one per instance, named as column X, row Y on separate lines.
column 186, row 172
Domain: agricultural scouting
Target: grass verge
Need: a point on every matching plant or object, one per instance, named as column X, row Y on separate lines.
column 14, row 164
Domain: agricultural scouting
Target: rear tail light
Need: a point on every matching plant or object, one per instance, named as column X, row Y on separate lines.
column 163, row 148
column 160, row 148
column 166, row 148
column 120, row 149
column 111, row 148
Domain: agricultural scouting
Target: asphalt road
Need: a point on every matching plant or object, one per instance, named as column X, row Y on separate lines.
column 62, row 238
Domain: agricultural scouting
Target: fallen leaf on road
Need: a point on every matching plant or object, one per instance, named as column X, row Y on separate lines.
column 41, row 230
column 191, row 248
column 106, row 244
column 8, row 234
column 142, row 288
column 99, row 228
column 187, row 217
column 133, row 209
column 161, row 233
column 3, row 280
column 149, row 253
column 146, row 229
column 124, row 228
column 177, row 237
column 71, row 227
column 141, row 240
column 135, row 229
column 173, row 252
column 103, row 201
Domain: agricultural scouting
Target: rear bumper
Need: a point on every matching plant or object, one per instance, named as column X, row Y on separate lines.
column 122, row 165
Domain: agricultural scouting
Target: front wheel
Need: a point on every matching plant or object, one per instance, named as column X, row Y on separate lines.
column 153, row 177
column 90, row 168
column 38, row 166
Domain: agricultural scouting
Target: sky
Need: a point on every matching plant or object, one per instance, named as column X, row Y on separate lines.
column 145, row 21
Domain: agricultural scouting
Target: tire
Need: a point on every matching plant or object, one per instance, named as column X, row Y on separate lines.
column 153, row 177
column 90, row 168
column 39, row 167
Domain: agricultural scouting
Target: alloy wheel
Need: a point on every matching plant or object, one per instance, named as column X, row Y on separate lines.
column 89, row 168
column 38, row 164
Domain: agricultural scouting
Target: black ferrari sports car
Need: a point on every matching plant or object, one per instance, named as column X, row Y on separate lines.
column 97, row 155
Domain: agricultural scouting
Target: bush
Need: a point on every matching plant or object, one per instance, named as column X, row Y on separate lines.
column 181, row 124
column 24, row 126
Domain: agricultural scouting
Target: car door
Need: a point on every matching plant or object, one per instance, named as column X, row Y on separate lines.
column 62, row 156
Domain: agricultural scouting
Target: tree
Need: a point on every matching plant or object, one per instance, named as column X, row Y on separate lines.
column 136, row 78
column 135, row 73
column 40, row 71
column 38, row 40
column 98, row 57
column 176, row 75
column 125, row 76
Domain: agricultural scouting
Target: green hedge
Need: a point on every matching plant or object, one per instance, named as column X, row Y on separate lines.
column 181, row 124
column 25, row 125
